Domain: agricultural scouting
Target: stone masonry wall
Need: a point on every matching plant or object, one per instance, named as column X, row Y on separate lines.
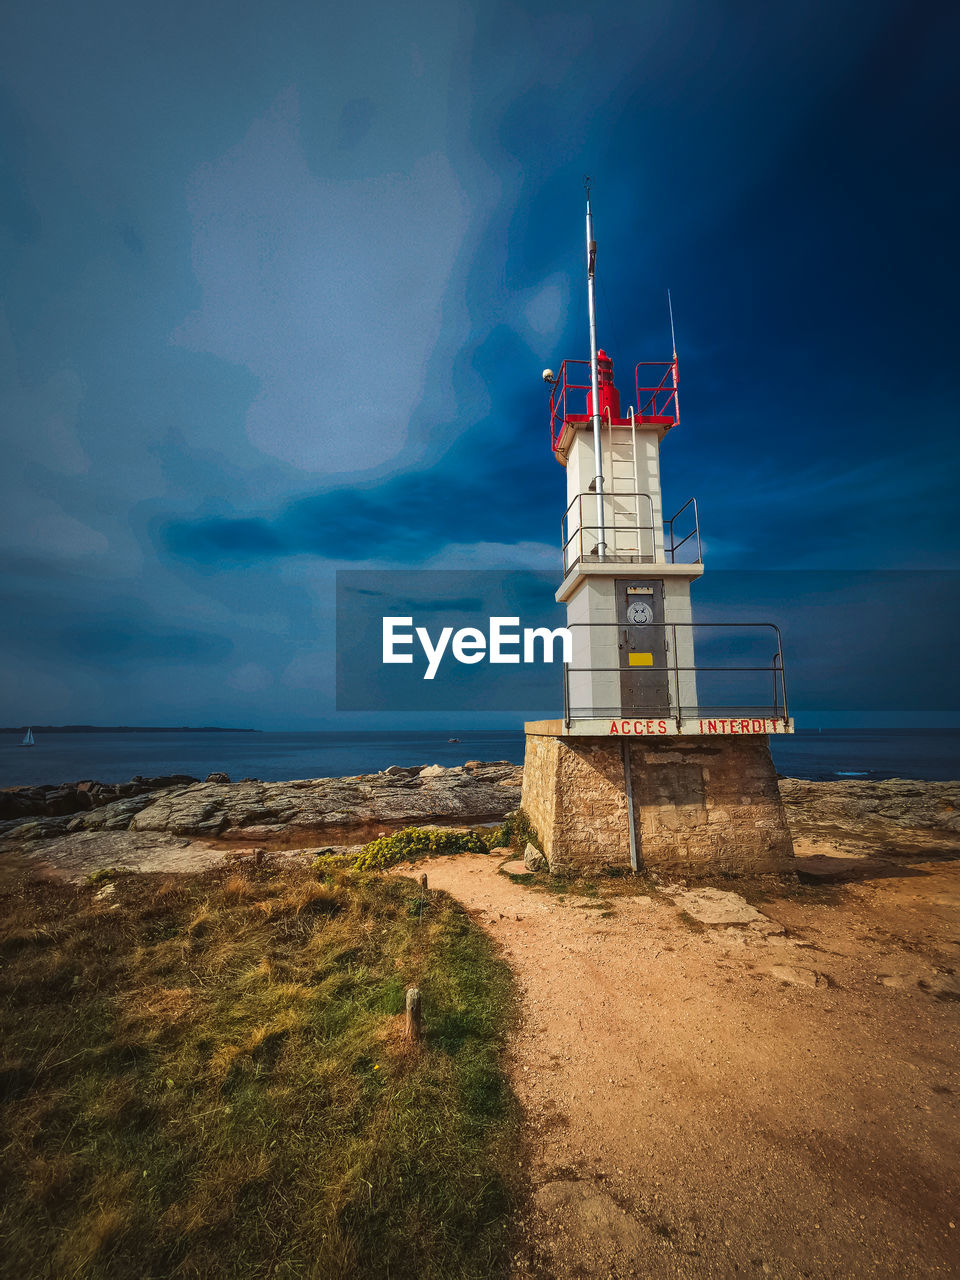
column 573, row 794
column 702, row 806
column 538, row 797
column 709, row 805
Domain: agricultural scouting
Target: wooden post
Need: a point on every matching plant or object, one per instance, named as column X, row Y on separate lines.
column 423, row 882
column 414, row 1019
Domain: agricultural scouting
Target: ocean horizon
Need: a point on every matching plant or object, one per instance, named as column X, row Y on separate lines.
column 928, row 754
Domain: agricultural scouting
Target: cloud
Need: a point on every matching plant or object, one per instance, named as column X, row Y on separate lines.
column 546, row 313
column 411, row 519
column 329, row 290
column 251, row 677
column 37, row 525
column 18, row 214
column 44, row 414
column 290, row 313
column 309, row 672
column 494, row 555
column 219, row 539
column 356, row 120
column 110, row 642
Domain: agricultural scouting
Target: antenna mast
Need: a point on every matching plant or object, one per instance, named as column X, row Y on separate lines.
column 673, row 339
column 594, row 374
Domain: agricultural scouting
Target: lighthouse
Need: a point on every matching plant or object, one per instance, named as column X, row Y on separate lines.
column 656, row 762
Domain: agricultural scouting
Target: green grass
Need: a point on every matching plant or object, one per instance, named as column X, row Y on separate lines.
column 414, row 843
column 515, row 831
column 417, row 842
column 106, row 874
column 210, row 1079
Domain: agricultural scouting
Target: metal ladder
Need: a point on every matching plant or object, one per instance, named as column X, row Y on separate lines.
column 629, row 512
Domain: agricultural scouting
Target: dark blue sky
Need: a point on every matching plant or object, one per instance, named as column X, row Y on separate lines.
column 278, row 284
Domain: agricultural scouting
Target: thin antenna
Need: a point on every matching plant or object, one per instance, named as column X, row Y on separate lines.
column 594, row 373
column 673, row 339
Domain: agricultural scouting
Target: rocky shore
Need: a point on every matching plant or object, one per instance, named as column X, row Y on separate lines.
column 56, row 800
column 181, row 822
column 265, row 812
column 880, row 812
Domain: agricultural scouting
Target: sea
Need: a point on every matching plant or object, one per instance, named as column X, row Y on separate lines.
column 932, row 754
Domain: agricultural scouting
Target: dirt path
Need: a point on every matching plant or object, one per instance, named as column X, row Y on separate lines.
column 734, row 1101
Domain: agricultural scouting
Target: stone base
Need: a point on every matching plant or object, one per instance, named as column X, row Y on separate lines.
column 701, row 806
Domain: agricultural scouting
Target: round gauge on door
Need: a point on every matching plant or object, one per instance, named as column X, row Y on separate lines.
column 639, row 613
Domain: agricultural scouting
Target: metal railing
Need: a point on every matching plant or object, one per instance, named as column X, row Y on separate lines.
column 694, row 533
column 659, row 402
column 674, row 708
column 560, row 410
column 620, row 525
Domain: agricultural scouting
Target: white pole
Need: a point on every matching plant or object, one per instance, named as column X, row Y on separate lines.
column 595, row 377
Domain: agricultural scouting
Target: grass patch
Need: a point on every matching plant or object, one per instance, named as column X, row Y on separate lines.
column 106, row 874
column 616, row 886
column 615, row 882
column 416, row 842
column 211, row 1079
column 515, row 831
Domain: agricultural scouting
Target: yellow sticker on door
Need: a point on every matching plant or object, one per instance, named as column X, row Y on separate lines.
column 641, row 659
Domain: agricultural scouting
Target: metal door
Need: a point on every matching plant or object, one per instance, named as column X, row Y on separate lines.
column 643, row 650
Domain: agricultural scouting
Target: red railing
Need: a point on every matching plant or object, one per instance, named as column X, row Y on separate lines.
column 659, row 402
column 568, row 400
column 560, row 411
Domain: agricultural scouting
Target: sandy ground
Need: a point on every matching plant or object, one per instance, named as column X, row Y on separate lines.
column 735, row 1101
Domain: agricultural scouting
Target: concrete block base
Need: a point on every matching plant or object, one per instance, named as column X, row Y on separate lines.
column 702, row 806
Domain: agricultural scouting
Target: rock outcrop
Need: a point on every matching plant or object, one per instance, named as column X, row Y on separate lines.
column 56, row 799
column 884, row 812
column 264, row 811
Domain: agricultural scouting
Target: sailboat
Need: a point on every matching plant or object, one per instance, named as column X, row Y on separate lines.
column 28, row 741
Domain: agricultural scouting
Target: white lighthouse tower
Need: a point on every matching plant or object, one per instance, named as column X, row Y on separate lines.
column 627, row 571
column 627, row 773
